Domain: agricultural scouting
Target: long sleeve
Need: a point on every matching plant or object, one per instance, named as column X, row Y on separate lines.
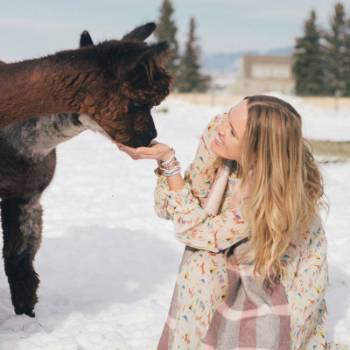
column 199, row 180
column 305, row 284
column 161, row 199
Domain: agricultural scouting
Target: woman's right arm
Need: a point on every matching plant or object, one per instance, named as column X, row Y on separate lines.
column 203, row 156
column 160, row 198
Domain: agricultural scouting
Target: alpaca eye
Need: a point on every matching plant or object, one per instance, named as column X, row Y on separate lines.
column 137, row 104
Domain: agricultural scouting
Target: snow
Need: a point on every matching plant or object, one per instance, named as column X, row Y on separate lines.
column 321, row 123
column 108, row 264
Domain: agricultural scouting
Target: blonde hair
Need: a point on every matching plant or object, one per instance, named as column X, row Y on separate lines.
column 286, row 189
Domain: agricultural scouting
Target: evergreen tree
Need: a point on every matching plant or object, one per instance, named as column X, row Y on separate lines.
column 166, row 30
column 335, row 52
column 347, row 59
column 308, row 65
column 190, row 78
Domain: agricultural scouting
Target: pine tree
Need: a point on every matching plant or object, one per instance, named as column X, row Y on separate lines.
column 166, row 30
column 308, row 65
column 347, row 59
column 190, row 78
column 335, row 52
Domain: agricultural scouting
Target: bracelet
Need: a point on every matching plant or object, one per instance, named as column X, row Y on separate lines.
column 174, row 173
column 169, row 160
column 164, row 166
column 175, row 162
column 171, row 164
column 172, row 170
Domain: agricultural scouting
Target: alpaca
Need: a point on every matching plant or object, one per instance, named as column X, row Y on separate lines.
column 27, row 166
column 114, row 82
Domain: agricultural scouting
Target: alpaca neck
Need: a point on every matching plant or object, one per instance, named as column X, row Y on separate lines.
column 34, row 88
column 36, row 138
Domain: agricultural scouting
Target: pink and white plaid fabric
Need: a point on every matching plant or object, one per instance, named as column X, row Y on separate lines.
column 253, row 316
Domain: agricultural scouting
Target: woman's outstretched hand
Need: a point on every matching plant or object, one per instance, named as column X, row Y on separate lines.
column 156, row 150
column 160, row 152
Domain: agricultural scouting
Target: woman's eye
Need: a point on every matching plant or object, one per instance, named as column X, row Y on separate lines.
column 137, row 104
column 233, row 134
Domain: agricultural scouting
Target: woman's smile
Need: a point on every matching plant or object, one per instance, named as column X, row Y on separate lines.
column 218, row 141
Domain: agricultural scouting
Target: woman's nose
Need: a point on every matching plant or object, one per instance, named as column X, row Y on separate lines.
column 218, row 128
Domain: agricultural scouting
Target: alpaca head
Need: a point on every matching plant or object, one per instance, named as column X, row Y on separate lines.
column 136, row 82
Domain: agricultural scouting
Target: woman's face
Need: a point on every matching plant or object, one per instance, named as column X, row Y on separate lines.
column 229, row 140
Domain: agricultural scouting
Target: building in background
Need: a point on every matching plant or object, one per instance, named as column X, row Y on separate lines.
column 260, row 73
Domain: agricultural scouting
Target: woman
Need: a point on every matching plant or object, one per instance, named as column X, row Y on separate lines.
column 254, row 272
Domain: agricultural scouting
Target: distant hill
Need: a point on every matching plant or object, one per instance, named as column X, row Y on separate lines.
column 228, row 63
column 281, row 51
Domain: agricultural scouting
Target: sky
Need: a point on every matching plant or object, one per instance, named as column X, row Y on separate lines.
column 30, row 29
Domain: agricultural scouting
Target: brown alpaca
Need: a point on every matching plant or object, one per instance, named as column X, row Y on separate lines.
column 101, row 81
column 28, row 160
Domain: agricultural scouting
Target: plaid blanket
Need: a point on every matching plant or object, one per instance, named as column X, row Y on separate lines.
column 253, row 316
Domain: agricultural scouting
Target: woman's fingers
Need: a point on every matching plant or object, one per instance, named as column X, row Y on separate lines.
column 154, row 151
column 146, row 150
column 127, row 149
column 132, row 152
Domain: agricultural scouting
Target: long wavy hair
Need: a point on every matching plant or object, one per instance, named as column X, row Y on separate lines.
column 286, row 189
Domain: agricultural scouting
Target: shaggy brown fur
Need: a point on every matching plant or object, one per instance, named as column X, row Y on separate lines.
column 97, row 80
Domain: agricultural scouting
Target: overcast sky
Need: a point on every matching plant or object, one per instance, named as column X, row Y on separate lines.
column 33, row 28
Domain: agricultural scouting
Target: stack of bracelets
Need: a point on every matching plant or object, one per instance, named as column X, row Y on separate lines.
column 164, row 166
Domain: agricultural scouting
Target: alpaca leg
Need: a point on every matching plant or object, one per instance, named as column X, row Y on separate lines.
column 22, row 226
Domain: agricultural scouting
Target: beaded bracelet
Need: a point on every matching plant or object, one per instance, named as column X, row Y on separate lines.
column 164, row 166
column 171, row 170
column 169, row 160
column 178, row 171
column 176, row 163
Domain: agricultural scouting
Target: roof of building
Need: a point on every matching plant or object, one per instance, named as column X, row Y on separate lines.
column 249, row 60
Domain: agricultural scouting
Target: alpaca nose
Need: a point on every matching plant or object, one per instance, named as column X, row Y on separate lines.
column 153, row 134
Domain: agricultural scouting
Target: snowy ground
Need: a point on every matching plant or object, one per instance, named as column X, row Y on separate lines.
column 108, row 265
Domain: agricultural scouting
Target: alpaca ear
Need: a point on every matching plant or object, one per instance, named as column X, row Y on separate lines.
column 159, row 52
column 85, row 39
column 141, row 33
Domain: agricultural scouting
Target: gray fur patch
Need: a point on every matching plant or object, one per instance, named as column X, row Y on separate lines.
column 30, row 221
column 35, row 138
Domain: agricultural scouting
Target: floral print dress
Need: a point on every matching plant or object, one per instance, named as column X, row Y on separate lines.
column 202, row 281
